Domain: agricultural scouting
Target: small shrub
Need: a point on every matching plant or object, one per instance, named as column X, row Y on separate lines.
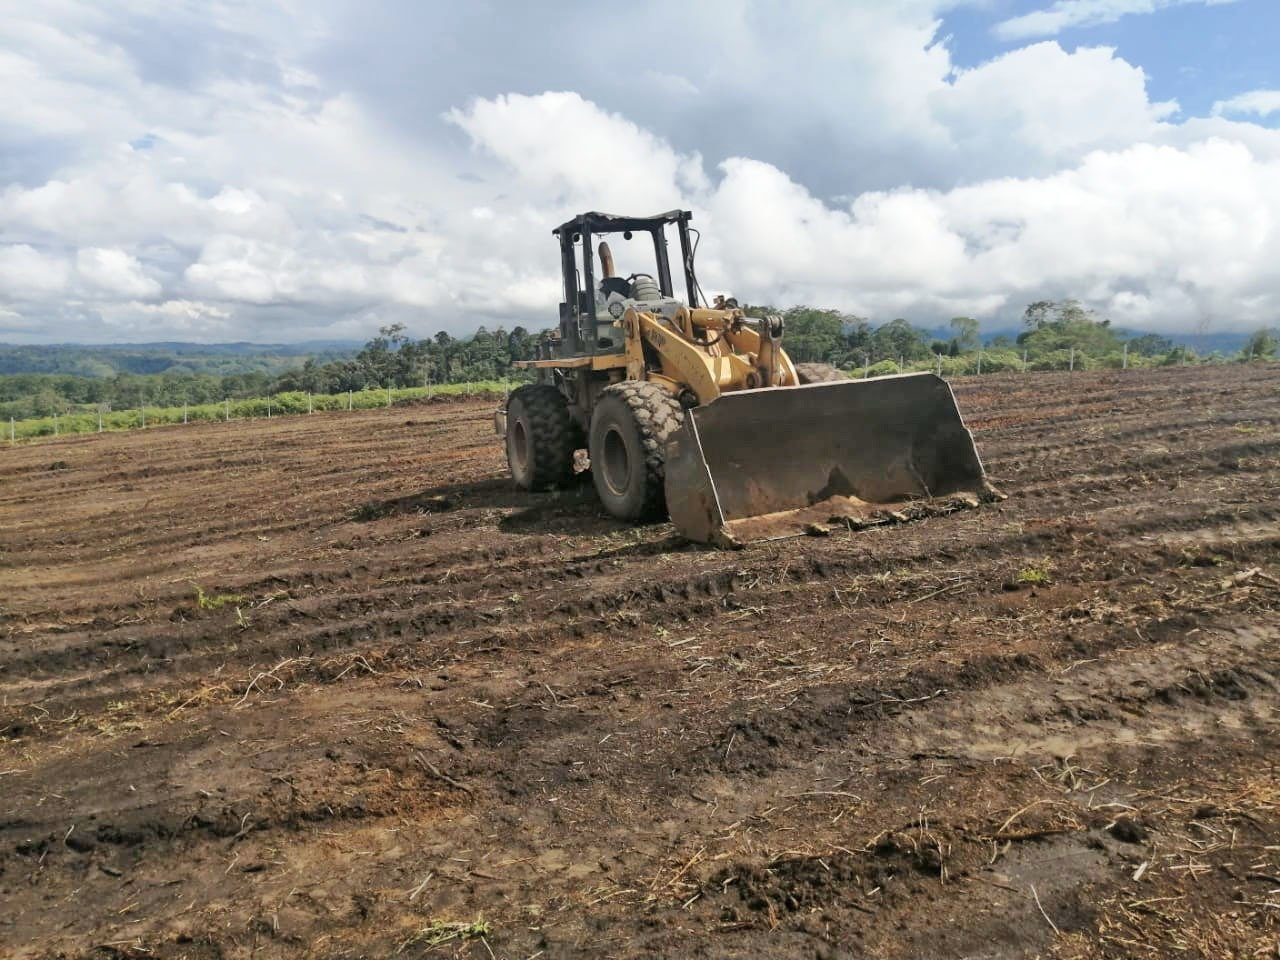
column 1034, row 576
column 443, row 931
column 216, row 601
column 883, row 368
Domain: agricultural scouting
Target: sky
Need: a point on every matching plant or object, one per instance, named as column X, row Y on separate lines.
column 314, row 169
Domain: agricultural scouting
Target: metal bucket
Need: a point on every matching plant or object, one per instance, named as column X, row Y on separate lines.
column 759, row 464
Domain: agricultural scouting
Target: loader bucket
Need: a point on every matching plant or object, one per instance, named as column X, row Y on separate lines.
column 761, row 464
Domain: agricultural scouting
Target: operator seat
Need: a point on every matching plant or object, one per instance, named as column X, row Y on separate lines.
column 616, row 285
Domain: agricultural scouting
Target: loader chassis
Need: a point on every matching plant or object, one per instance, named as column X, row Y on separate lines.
column 638, row 377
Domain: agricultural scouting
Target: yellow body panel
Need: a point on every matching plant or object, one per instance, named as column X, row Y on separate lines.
column 608, row 361
column 731, row 355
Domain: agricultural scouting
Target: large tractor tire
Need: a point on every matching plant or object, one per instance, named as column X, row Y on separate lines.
column 627, row 443
column 541, row 437
column 818, row 373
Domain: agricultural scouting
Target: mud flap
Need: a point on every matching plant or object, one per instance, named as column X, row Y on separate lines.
column 759, row 464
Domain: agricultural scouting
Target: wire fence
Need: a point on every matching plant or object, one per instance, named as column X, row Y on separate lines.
column 293, row 403
column 1000, row 360
column 300, row 402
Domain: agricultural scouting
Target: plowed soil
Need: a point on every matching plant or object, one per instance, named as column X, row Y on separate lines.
column 326, row 686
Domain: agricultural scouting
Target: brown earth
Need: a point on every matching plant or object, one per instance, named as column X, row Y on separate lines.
column 326, row 686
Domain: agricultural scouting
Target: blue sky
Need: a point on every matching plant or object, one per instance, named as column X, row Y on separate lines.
column 281, row 170
column 1196, row 54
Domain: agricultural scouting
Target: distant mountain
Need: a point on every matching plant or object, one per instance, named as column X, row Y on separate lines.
column 109, row 359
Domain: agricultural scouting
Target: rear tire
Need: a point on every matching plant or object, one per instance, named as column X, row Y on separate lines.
column 818, row 373
column 628, row 445
column 541, row 437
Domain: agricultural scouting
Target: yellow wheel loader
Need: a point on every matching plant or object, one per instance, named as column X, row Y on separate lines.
column 697, row 412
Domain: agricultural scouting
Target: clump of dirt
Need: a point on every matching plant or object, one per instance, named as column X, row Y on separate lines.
column 414, row 503
column 1128, row 830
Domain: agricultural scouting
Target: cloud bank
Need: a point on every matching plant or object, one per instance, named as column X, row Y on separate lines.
column 1070, row 14
column 227, row 174
column 1260, row 103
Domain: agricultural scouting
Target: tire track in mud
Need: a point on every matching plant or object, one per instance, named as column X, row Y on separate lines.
column 376, row 617
column 462, row 571
column 807, row 744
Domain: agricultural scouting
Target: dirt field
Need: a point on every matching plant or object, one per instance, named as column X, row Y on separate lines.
column 326, row 686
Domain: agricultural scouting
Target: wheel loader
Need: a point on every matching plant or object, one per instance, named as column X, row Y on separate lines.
column 697, row 412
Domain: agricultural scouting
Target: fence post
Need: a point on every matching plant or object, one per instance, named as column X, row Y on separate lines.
column 1024, row 361
column 142, row 413
column 99, row 418
column 55, row 424
column 309, row 409
column 1071, row 361
column 388, row 396
column 939, row 364
column 184, row 411
column 268, row 406
column 866, row 365
column 348, row 401
column 227, row 413
column 979, row 363
column 13, row 436
column 1124, row 357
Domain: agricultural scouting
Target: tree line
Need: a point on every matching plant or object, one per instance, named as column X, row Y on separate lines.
column 1054, row 335
column 390, row 359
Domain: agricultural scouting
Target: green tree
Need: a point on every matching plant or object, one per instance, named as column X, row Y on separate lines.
column 857, row 339
column 1260, row 345
column 1039, row 314
column 1057, row 327
column 520, row 345
column 899, row 339
column 813, row 335
column 966, row 333
column 1150, row 345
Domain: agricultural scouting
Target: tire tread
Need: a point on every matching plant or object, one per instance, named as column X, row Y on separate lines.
column 553, row 436
column 657, row 415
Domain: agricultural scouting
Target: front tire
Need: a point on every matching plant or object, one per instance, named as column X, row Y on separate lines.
column 541, row 437
column 628, row 445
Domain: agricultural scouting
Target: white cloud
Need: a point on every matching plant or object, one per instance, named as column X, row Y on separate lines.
column 561, row 142
column 1068, row 14
column 1154, row 236
column 12, row 322
column 114, row 272
column 27, row 273
column 1260, row 103
column 186, row 318
column 267, row 200
column 1049, row 106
